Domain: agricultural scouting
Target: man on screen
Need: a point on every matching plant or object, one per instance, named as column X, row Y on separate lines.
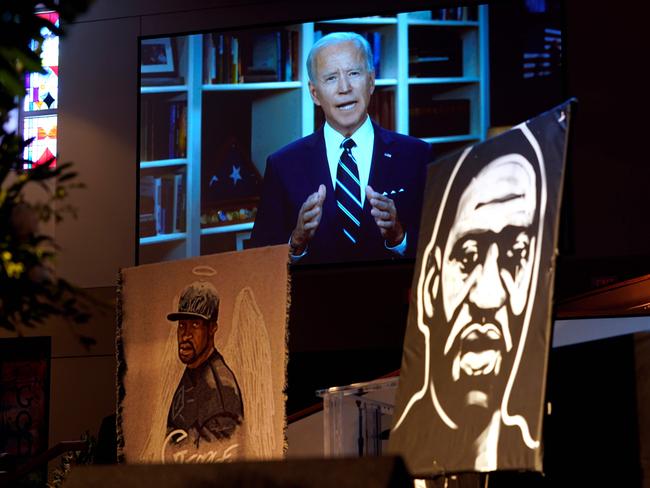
column 352, row 190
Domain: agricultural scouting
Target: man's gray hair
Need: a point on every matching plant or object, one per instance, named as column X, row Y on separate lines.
column 337, row 38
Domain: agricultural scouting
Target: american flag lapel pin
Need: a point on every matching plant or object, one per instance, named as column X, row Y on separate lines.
column 388, row 155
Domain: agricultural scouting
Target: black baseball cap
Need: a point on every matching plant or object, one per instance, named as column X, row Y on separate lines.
column 198, row 300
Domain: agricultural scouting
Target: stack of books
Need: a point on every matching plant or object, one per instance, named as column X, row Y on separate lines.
column 251, row 57
column 162, row 204
column 163, row 128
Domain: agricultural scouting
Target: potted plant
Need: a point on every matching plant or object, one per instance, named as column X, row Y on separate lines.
column 30, row 290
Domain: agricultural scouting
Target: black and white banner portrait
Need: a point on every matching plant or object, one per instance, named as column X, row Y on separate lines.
column 473, row 376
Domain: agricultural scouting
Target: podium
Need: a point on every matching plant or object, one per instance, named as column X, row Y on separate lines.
column 357, row 417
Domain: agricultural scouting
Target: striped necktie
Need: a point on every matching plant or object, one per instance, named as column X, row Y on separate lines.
column 348, row 193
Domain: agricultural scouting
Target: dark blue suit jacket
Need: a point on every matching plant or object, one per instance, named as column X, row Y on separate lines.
column 295, row 171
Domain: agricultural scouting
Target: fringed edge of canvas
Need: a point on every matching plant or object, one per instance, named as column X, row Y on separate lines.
column 285, row 427
column 121, row 368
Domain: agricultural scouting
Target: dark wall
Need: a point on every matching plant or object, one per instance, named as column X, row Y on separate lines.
column 604, row 234
column 592, row 435
column 610, row 168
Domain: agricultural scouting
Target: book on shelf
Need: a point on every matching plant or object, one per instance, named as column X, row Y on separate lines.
column 270, row 56
column 429, row 117
column 285, row 50
column 289, row 45
column 226, row 61
column 209, row 59
column 163, row 128
column 264, row 60
column 434, row 53
column 374, row 38
column 388, row 111
column 146, row 130
column 167, row 192
column 147, row 206
column 158, row 209
column 219, row 44
column 179, row 202
column 178, row 131
column 162, row 204
column 173, row 120
column 291, row 54
column 455, row 13
column 234, row 60
column 251, row 57
column 220, row 61
column 382, row 108
column 147, row 225
column 279, row 57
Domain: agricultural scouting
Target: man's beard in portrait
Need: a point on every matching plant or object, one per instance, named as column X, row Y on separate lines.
column 186, row 352
column 470, row 378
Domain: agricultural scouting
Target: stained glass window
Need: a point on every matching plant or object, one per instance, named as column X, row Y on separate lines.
column 43, row 148
column 42, row 99
column 42, row 88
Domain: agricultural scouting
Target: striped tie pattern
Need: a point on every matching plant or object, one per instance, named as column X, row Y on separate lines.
column 348, row 193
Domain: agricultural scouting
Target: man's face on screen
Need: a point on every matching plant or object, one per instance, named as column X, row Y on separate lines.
column 342, row 86
column 486, row 272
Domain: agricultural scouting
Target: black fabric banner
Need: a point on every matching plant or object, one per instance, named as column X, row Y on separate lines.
column 473, row 376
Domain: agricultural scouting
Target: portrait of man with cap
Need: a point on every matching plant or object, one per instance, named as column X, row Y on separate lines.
column 207, row 404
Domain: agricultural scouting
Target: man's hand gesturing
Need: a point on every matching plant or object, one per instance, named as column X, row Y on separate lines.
column 385, row 214
column 308, row 220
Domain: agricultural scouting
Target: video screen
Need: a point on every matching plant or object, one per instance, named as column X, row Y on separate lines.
column 318, row 135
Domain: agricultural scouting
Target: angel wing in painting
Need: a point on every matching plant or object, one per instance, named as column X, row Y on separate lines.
column 248, row 351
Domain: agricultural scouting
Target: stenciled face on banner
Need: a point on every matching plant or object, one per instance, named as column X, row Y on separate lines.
column 481, row 272
column 481, row 297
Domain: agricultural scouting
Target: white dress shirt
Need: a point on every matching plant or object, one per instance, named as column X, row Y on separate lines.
column 364, row 138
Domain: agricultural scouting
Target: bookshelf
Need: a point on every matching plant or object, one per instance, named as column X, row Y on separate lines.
column 432, row 66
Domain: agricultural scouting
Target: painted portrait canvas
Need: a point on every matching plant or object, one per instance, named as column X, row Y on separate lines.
column 473, row 376
column 202, row 358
